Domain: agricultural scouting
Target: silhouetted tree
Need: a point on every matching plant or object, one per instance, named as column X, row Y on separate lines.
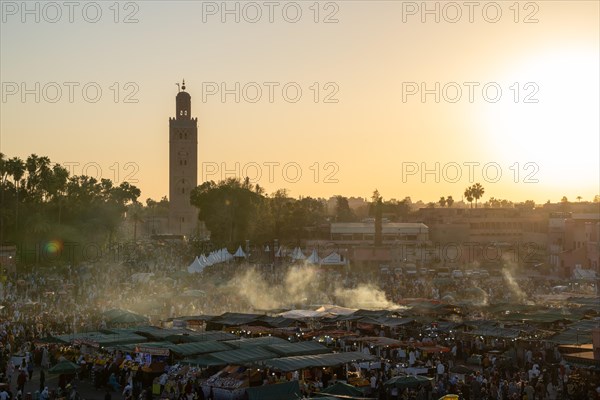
column 469, row 195
column 442, row 201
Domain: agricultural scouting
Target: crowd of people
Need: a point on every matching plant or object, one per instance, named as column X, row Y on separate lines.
column 55, row 301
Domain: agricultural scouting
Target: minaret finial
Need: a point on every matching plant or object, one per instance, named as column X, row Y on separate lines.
column 183, row 85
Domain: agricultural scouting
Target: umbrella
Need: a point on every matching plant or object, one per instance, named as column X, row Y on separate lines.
column 408, row 381
column 64, row 367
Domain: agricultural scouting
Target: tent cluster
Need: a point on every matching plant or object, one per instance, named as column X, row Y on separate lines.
column 297, row 254
column 215, row 257
column 332, row 259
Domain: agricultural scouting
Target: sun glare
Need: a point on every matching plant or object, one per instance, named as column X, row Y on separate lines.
column 548, row 114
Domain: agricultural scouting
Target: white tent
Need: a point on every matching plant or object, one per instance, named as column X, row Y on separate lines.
column 314, row 257
column 239, row 253
column 333, row 259
column 196, row 266
column 280, row 252
column 204, row 261
column 216, row 257
column 297, row 254
column 211, row 258
column 225, row 255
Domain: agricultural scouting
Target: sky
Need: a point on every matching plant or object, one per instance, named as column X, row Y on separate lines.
column 322, row 98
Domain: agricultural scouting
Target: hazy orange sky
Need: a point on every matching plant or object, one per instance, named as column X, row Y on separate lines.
column 372, row 57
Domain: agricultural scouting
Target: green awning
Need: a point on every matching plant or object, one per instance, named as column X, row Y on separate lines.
column 279, row 391
column 243, row 356
column 204, row 361
column 321, row 360
column 195, row 348
column 102, row 339
column 298, row 348
column 253, row 342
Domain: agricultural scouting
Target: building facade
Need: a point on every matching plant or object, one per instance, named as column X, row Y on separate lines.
column 574, row 242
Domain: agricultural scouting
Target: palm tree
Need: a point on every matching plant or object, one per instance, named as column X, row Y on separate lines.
column 449, row 201
column 442, row 201
column 16, row 168
column 136, row 213
column 579, row 199
column 477, row 191
column 469, row 195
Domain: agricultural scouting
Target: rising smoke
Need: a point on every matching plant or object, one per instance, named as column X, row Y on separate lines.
column 302, row 286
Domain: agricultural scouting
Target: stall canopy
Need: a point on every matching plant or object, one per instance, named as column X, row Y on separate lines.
column 243, row 356
column 99, row 339
column 280, row 391
column 129, row 318
column 302, row 314
column 298, row 348
column 236, row 319
column 321, row 360
column 254, row 342
column 408, row 381
column 64, row 367
column 335, row 310
column 195, row 348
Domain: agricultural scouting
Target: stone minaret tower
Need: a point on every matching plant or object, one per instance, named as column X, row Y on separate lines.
column 183, row 166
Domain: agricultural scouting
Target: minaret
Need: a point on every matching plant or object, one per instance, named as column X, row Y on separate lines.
column 183, row 166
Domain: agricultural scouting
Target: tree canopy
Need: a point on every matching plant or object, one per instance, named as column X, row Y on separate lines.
column 41, row 202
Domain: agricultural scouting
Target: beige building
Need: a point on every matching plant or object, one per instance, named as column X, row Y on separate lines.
column 392, row 233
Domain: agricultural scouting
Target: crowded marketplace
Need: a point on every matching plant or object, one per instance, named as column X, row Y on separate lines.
column 306, row 326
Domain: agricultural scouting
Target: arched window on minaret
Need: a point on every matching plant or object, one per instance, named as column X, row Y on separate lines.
column 183, row 103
